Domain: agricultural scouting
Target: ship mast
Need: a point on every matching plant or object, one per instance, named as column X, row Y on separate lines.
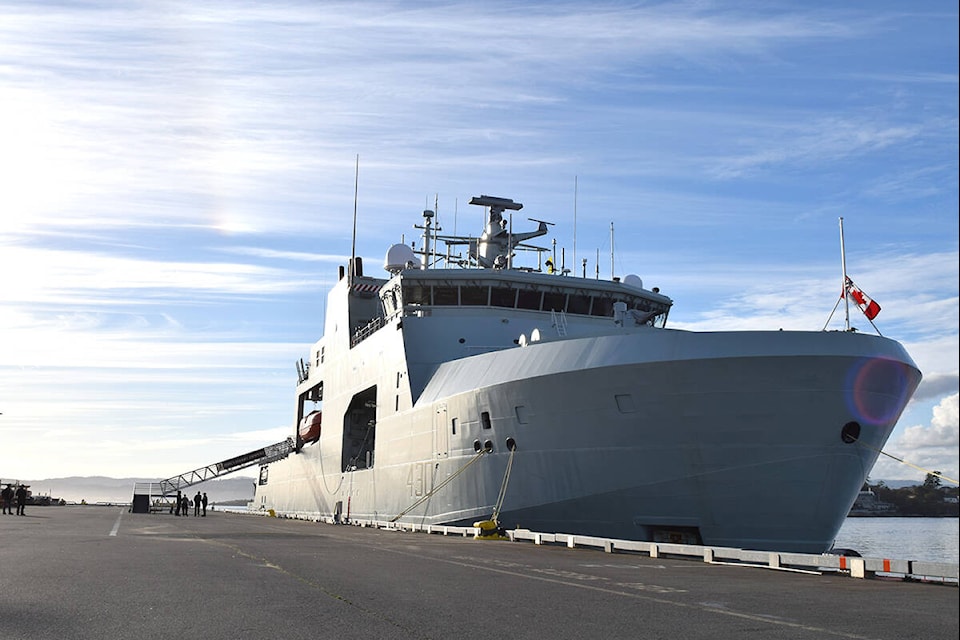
column 353, row 241
column 843, row 283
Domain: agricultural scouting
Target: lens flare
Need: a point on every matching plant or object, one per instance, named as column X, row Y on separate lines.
column 878, row 390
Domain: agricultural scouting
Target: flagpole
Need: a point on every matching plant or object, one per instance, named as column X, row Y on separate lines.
column 843, row 265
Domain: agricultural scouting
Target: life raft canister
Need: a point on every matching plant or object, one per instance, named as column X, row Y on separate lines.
column 310, row 427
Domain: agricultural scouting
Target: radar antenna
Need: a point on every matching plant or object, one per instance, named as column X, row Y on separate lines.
column 497, row 243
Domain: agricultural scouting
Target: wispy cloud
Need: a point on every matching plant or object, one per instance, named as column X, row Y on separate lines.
column 176, row 182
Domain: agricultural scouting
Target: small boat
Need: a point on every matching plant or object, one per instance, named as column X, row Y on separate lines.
column 310, row 427
column 464, row 386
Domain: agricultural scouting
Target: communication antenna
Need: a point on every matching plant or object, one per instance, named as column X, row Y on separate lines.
column 611, row 250
column 574, row 220
column 353, row 242
column 436, row 224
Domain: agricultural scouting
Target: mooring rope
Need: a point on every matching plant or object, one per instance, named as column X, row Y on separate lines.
column 503, row 486
column 426, row 497
column 909, row 464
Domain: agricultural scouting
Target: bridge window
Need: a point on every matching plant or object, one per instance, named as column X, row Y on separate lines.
column 578, row 304
column 446, row 296
column 503, row 297
column 416, row 294
column 553, row 301
column 529, row 299
column 602, row 307
column 475, row 295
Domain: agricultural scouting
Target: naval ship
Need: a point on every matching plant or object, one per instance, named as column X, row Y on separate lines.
column 462, row 388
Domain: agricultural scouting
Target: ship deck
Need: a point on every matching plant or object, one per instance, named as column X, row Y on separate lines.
column 103, row 572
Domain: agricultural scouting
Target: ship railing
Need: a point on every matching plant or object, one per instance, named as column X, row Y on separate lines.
column 366, row 331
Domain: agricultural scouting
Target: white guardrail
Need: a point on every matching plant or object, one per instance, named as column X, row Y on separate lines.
column 855, row 567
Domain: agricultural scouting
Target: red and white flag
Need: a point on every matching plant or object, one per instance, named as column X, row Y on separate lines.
column 869, row 306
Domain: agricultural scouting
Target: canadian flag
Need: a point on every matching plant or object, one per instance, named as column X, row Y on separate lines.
column 869, row 306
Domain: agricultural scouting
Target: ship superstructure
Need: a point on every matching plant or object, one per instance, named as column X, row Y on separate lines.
column 460, row 368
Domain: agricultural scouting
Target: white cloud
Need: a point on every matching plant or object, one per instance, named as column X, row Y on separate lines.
column 942, row 430
column 925, row 448
column 174, row 178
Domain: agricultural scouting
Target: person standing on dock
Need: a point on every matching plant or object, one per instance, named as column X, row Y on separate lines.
column 21, row 499
column 185, row 506
column 6, row 498
column 179, row 503
column 196, row 504
column 203, row 501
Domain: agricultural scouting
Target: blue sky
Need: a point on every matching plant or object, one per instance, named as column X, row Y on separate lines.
column 177, row 189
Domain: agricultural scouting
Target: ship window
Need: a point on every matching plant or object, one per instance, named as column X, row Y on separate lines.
column 578, row 304
column 503, row 297
column 602, row 307
column 625, row 403
column 453, row 426
column 527, row 299
column 485, row 420
column 553, row 301
column 416, row 294
column 474, row 295
column 445, row 296
column 264, row 470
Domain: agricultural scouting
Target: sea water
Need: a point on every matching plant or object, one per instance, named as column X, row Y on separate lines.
column 927, row 539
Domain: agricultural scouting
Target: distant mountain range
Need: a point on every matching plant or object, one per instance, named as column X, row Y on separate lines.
column 102, row 489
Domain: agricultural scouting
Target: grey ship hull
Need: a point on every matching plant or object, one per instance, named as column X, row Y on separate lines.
column 725, row 439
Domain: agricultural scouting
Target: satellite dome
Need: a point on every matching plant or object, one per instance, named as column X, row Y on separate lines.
column 400, row 257
column 633, row 280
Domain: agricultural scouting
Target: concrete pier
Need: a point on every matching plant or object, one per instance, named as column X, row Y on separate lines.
column 80, row 572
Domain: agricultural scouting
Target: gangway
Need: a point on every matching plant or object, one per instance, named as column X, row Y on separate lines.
column 144, row 493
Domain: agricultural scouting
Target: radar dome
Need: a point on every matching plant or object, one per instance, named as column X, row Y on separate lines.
column 633, row 280
column 400, row 257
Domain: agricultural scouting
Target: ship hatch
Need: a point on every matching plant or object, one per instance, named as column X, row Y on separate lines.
column 359, row 431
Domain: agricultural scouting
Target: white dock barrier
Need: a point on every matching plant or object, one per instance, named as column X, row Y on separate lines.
column 855, row 567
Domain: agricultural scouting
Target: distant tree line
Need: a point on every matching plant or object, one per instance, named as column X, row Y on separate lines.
column 930, row 499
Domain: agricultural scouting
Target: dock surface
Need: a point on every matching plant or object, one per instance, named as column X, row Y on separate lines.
column 79, row 572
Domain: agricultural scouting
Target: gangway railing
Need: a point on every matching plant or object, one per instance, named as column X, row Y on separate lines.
column 271, row 453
